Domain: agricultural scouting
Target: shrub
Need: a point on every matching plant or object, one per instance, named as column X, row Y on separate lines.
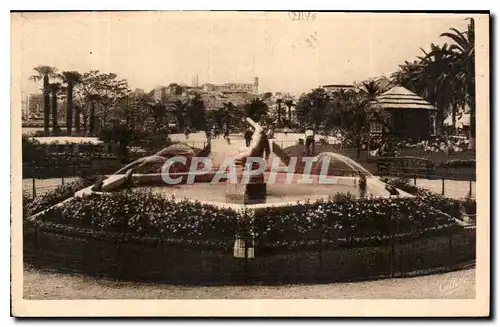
column 353, row 221
column 453, row 207
column 373, row 219
column 60, row 193
column 148, row 214
column 459, row 163
column 340, row 197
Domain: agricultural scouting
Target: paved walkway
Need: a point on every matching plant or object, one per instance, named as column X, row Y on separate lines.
column 40, row 285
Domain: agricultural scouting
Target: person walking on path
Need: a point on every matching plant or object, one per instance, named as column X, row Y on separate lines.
column 226, row 136
column 309, row 134
column 248, row 137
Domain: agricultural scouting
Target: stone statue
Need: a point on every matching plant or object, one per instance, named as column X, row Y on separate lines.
column 255, row 190
column 259, row 147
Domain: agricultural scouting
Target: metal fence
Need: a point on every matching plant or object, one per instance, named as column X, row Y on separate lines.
column 158, row 260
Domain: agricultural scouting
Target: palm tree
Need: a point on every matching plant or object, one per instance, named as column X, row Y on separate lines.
column 93, row 100
column 228, row 108
column 278, row 107
column 45, row 73
column 445, row 76
column 462, row 54
column 289, row 103
column 370, row 89
column 438, row 88
column 54, row 88
column 256, row 109
column 71, row 78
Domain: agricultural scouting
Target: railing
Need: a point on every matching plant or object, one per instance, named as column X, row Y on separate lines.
column 156, row 259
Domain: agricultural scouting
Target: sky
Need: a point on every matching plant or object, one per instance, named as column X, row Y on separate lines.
column 158, row 48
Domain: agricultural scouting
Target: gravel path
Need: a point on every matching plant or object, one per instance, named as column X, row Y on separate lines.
column 39, row 285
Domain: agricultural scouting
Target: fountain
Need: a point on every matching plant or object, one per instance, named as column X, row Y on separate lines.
column 284, row 180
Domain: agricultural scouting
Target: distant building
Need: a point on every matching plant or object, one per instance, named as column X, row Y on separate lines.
column 139, row 92
column 35, row 104
column 159, row 93
column 233, row 87
column 329, row 88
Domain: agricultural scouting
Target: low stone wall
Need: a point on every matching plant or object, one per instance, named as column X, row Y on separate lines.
column 68, row 249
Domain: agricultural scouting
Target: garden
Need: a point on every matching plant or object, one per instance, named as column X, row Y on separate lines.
column 144, row 236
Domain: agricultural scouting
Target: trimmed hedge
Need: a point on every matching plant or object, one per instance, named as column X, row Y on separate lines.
column 60, row 193
column 144, row 236
column 370, row 221
column 458, row 163
column 455, row 208
column 151, row 215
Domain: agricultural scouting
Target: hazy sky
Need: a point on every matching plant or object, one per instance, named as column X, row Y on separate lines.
column 157, row 48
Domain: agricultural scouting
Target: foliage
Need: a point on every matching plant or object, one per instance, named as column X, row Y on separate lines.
column 458, row 163
column 453, row 207
column 374, row 219
column 346, row 218
column 196, row 113
column 445, row 75
column 147, row 214
column 256, row 109
column 45, row 73
column 97, row 94
column 340, row 197
column 59, row 194
column 71, row 78
column 313, row 107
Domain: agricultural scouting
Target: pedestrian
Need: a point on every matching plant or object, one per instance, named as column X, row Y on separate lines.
column 309, row 134
column 226, row 136
column 248, row 137
column 186, row 133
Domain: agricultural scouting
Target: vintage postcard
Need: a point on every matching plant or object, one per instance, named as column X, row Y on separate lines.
column 331, row 164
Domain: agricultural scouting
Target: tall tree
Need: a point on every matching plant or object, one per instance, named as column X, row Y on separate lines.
column 462, row 52
column 71, row 78
column 54, row 88
column 445, row 76
column 229, row 109
column 196, row 113
column 312, row 107
column 256, row 109
column 289, row 103
column 98, row 93
column 45, row 73
column 279, row 101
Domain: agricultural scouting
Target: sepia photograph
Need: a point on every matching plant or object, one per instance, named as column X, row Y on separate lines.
column 290, row 160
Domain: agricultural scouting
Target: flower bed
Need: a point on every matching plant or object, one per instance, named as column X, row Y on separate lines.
column 60, row 193
column 353, row 222
column 149, row 215
column 149, row 237
column 453, row 207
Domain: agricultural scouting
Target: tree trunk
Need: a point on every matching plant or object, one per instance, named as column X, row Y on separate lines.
column 358, row 147
column 279, row 113
column 289, row 115
column 69, row 112
column 472, row 128
column 77, row 119
column 454, row 119
column 54, row 113
column 439, row 121
column 85, row 120
column 46, row 105
column 92, row 119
